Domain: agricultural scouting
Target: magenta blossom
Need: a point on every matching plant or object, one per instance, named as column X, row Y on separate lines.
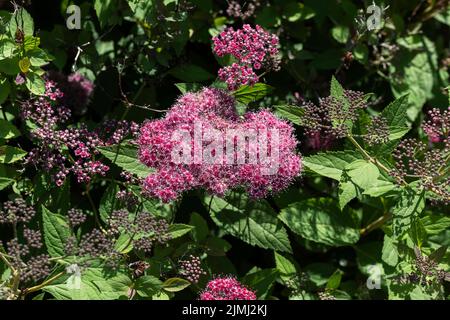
column 203, row 143
column 226, row 288
column 254, row 49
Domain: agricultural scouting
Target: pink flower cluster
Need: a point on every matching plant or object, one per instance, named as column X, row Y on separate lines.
column 215, row 111
column 254, row 49
column 226, row 288
column 438, row 126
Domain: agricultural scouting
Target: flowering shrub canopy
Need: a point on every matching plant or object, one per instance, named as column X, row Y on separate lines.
column 224, row 150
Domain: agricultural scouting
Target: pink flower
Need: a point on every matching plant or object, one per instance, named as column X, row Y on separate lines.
column 226, row 288
column 206, row 159
column 252, row 48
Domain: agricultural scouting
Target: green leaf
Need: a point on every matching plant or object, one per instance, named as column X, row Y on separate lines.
column 435, row 224
column 179, row 230
column 319, row 273
column 95, row 284
column 331, row 164
column 10, row 154
column 379, row 188
column 396, row 116
column 414, row 70
column 7, row 48
column 261, row 281
column 190, row 73
column 201, row 230
column 175, row 284
column 35, row 84
column 319, row 220
column 254, row 222
column 188, row 87
column 347, row 190
column 109, row 202
column 362, row 173
column 23, row 21
column 8, row 130
column 38, row 58
column 389, row 253
column 10, row 66
column 418, row 233
column 32, row 43
column 336, row 89
column 285, row 267
column 147, row 286
column 291, row 113
column 335, row 280
column 56, row 232
column 125, row 156
column 5, row 182
column 340, row 33
column 359, row 173
column 124, row 244
column 409, row 206
column 246, row 94
column 106, row 12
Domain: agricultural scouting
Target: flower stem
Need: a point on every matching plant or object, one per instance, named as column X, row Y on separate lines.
column 375, row 224
column 42, row 285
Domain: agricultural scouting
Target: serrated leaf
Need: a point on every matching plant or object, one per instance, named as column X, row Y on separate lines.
column 408, row 207
column 389, row 253
column 435, row 224
column 56, row 232
column 201, row 230
column 261, row 281
column 7, row 48
column 188, row 87
column 8, row 130
column 320, row 220
column 108, row 202
column 178, row 230
column 335, row 280
column 331, row 164
column 147, row 286
column 23, row 21
column 254, row 222
column 362, row 173
column 418, row 233
column 35, row 84
column 125, row 156
column 292, row 113
column 285, row 267
column 10, row 154
column 175, row 284
column 246, row 94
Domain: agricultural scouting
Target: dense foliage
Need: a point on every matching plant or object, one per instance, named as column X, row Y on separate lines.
column 95, row 206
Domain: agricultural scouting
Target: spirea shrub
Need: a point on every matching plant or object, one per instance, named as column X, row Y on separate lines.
column 224, row 150
column 207, row 116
